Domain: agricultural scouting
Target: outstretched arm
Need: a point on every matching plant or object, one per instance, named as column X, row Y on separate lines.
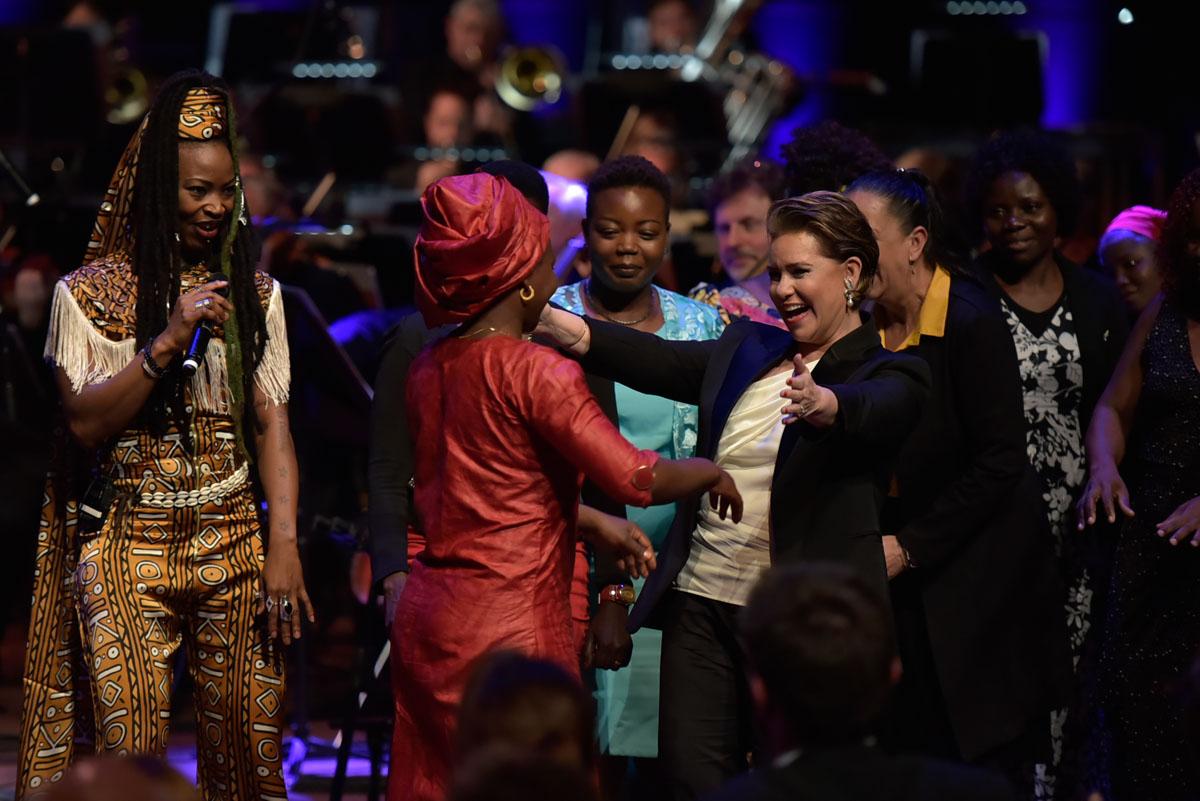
column 638, row 360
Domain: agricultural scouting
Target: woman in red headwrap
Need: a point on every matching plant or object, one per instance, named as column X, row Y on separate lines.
column 503, row 432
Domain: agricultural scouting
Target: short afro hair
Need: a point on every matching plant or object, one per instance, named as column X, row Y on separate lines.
column 628, row 171
column 1037, row 154
column 1181, row 278
column 754, row 172
column 827, row 157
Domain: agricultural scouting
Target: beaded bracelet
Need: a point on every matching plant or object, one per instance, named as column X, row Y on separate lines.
column 149, row 366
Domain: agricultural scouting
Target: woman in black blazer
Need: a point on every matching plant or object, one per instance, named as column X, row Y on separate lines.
column 813, row 480
column 976, row 595
column 1068, row 326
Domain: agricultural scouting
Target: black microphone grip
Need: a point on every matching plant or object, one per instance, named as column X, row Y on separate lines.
column 193, row 357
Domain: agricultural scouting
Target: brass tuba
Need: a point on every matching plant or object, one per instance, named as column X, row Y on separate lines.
column 531, row 78
column 127, row 95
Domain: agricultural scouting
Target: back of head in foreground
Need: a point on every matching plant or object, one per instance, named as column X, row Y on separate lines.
column 823, row 662
column 821, row 648
column 505, row 773
column 530, row 704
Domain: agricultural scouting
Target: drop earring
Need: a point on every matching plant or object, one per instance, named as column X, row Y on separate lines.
column 850, row 295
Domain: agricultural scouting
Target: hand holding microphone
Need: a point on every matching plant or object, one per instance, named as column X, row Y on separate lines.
column 191, row 324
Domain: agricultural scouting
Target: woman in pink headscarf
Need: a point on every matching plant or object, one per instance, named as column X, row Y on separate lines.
column 503, row 432
column 1129, row 248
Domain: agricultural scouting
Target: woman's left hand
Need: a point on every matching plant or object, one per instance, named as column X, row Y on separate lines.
column 284, row 597
column 808, row 400
column 1182, row 524
column 633, row 550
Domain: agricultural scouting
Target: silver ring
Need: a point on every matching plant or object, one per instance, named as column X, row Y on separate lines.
column 285, row 611
column 270, row 604
column 203, row 303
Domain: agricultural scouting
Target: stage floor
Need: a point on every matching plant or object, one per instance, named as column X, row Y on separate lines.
column 315, row 769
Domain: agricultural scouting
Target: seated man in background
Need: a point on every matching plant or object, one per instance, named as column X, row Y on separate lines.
column 739, row 200
column 822, row 661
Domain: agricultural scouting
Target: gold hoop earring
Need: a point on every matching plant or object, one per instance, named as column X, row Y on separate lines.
column 525, row 298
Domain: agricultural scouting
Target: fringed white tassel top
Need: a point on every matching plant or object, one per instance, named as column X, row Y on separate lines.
column 88, row 357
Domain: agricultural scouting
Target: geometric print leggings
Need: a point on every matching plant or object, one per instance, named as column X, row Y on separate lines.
column 154, row 579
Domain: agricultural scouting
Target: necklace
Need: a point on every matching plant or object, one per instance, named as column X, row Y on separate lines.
column 481, row 333
column 587, row 288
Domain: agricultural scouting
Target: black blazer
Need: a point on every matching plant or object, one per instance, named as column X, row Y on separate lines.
column 860, row 773
column 971, row 515
column 828, row 485
column 1101, row 324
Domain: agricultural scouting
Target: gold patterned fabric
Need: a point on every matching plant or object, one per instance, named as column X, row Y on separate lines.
column 179, row 559
column 202, row 116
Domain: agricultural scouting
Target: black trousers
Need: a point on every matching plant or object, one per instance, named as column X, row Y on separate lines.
column 705, row 715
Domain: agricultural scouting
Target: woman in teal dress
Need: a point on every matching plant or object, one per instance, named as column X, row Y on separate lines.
column 626, row 231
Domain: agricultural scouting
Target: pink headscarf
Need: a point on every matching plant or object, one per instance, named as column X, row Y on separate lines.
column 1143, row 220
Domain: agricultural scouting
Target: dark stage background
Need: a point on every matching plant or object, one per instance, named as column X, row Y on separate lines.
column 331, row 103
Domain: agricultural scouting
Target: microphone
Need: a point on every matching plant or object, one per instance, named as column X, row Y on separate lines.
column 194, row 356
column 31, row 198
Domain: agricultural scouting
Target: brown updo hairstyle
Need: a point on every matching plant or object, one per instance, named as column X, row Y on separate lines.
column 838, row 226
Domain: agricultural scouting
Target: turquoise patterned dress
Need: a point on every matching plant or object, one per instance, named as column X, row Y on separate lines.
column 627, row 699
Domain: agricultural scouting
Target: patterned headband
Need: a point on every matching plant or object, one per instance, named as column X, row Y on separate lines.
column 202, row 116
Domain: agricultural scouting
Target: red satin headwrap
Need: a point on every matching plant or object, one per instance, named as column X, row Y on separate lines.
column 479, row 240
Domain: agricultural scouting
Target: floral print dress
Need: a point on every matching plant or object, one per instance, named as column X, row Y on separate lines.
column 1052, row 385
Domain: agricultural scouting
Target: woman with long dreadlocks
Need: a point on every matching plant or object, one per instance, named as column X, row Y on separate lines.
column 149, row 536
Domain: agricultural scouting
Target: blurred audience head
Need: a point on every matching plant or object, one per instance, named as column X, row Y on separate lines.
column 133, row 778
column 474, row 29
column 1129, row 249
column 1180, row 250
column 739, row 201
column 505, row 773
column 653, row 137
column 1024, row 193
column 672, row 25
column 574, row 165
column 627, row 227
column 446, row 121
column 26, row 288
column 822, row 655
column 531, row 705
column 827, row 156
